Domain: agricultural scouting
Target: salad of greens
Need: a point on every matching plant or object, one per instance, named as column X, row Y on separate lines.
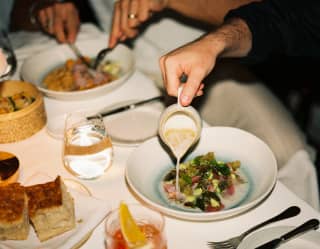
column 203, row 181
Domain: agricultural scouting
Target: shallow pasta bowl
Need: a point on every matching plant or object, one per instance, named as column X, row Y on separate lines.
column 36, row 67
column 150, row 162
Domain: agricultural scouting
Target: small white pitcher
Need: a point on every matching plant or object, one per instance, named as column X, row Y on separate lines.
column 178, row 117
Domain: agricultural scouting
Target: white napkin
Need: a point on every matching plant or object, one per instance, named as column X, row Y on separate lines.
column 89, row 213
column 299, row 175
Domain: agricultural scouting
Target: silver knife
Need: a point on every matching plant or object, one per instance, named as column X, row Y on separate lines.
column 128, row 106
column 79, row 55
column 312, row 224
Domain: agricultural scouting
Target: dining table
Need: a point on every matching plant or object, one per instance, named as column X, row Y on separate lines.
column 42, row 153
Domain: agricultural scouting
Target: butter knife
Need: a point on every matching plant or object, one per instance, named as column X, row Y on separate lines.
column 79, row 55
column 312, row 224
column 128, row 106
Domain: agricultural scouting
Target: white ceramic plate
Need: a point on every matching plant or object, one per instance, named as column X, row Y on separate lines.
column 36, row 67
column 309, row 240
column 151, row 161
column 132, row 127
column 127, row 128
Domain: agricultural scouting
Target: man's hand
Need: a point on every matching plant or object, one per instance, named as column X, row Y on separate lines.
column 197, row 59
column 129, row 14
column 60, row 20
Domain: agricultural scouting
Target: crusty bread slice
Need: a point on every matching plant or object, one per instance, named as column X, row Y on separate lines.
column 14, row 221
column 51, row 209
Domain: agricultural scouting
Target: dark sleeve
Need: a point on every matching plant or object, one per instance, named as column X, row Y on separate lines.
column 290, row 27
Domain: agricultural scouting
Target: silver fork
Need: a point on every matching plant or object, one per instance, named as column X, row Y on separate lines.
column 232, row 243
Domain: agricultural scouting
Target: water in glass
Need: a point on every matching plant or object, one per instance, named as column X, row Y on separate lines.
column 87, row 146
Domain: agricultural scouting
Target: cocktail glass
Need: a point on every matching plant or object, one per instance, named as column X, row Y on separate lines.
column 150, row 222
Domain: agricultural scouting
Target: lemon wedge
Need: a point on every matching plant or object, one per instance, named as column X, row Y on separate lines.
column 129, row 228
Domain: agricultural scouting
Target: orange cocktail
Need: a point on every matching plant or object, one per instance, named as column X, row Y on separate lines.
column 135, row 226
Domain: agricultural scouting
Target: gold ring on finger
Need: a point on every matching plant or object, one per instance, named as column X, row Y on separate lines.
column 49, row 23
column 132, row 16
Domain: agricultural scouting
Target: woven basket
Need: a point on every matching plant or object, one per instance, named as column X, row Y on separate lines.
column 19, row 125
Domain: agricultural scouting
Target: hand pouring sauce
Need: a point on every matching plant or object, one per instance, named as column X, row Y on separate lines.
column 179, row 128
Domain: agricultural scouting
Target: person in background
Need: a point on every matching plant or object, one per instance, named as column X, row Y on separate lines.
column 242, row 102
column 59, row 19
column 129, row 14
column 254, row 32
column 56, row 18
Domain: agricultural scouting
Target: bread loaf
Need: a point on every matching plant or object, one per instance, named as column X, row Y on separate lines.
column 14, row 222
column 51, row 209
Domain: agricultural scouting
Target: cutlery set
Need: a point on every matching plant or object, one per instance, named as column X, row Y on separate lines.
column 100, row 56
column 312, row 224
column 233, row 243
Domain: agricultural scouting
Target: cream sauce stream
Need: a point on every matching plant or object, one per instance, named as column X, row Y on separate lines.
column 179, row 141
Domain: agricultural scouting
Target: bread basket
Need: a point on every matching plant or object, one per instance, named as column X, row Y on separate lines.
column 21, row 124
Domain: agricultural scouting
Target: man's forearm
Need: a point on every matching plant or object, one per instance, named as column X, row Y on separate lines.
column 232, row 39
column 210, row 11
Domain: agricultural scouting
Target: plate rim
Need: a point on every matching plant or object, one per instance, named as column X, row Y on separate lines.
column 149, row 108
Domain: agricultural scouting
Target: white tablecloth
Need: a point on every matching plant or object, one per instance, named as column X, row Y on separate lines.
column 42, row 153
